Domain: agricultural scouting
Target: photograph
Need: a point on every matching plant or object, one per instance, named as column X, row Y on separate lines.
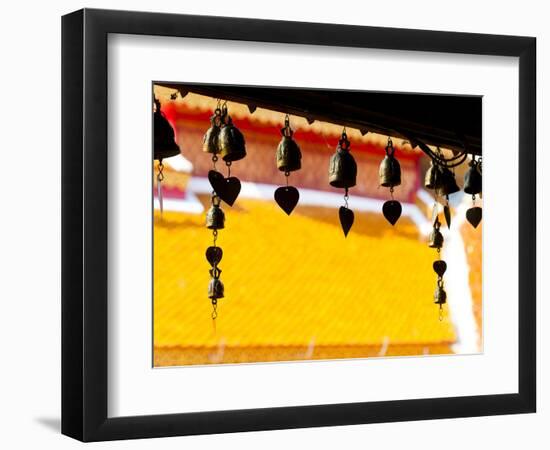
column 296, row 224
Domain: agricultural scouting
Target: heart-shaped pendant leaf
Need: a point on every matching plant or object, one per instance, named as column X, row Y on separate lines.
column 228, row 189
column 287, row 198
column 214, row 255
column 392, row 211
column 216, row 179
column 447, row 214
column 440, row 267
column 473, row 215
column 346, row 219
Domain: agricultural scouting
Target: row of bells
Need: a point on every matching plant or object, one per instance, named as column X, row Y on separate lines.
column 343, row 174
column 343, row 168
column 443, row 181
column 224, row 138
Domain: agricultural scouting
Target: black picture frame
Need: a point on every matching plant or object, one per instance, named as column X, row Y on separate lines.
column 84, row 224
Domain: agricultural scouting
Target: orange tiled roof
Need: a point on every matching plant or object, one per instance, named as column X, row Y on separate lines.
column 294, row 287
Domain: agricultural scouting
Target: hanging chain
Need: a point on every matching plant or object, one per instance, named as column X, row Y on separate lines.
column 346, row 197
column 160, row 178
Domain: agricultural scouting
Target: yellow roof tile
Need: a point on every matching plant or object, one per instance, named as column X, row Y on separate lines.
column 293, row 281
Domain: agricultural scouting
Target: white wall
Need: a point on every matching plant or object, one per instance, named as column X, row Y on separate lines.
column 30, row 222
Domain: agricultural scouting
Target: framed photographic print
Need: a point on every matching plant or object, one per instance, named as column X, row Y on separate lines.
column 273, row 224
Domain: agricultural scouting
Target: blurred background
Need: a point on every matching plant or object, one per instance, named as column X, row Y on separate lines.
column 295, row 287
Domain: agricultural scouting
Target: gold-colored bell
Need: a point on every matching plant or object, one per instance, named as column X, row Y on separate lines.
column 472, row 179
column 215, row 288
column 390, row 170
column 215, row 217
column 342, row 172
column 435, row 239
column 432, row 180
column 165, row 144
column 231, row 142
column 440, row 296
column 448, row 184
column 211, row 137
column 289, row 156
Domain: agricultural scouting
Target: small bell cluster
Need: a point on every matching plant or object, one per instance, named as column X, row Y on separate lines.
column 223, row 138
column 442, row 181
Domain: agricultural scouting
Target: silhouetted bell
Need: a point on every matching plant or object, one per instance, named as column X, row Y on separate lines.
column 215, row 217
column 215, row 288
column 472, row 179
column 231, row 142
column 432, row 180
column 165, row 144
column 448, row 183
column 289, row 156
column 342, row 172
column 436, row 238
column 390, row 170
column 440, row 296
column 211, row 137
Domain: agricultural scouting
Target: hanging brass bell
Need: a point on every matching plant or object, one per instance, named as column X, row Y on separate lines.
column 432, row 180
column 211, row 137
column 215, row 217
column 435, row 239
column 165, row 144
column 289, row 156
column 231, row 142
column 472, row 179
column 215, row 288
column 390, row 170
column 440, row 296
column 447, row 183
column 342, row 172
